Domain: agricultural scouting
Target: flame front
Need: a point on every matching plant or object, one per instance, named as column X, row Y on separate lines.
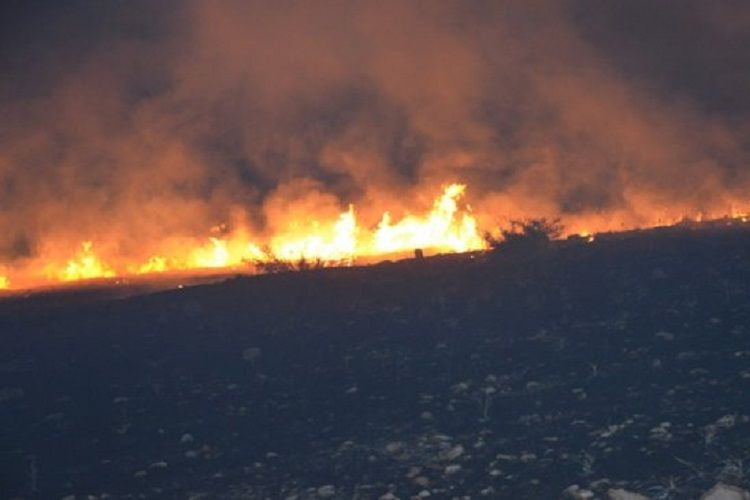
column 449, row 226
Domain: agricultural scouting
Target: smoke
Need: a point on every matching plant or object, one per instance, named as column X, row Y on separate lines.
column 139, row 123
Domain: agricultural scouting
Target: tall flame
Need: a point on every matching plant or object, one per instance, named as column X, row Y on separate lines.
column 439, row 230
column 85, row 265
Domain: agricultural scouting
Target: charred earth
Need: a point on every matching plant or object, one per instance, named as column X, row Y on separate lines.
column 620, row 363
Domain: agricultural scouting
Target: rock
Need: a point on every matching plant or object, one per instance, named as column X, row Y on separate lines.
column 388, row 496
column 575, row 492
column 665, row 335
column 327, row 491
column 620, row 494
column 725, row 492
column 251, row 354
column 452, row 453
column 421, row 481
column 394, row 448
column 658, row 274
column 452, row 469
column 186, row 438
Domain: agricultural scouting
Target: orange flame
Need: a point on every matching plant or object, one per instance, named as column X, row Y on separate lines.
column 449, row 226
column 85, row 265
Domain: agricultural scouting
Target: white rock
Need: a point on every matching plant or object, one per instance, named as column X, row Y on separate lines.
column 452, row 469
column 389, row 496
column 186, row 438
column 620, row 494
column 725, row 492
column 577, row 493
column 452, row 453
column 327, row 491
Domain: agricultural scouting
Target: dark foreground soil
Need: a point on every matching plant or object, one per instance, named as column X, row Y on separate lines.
column 621, row 363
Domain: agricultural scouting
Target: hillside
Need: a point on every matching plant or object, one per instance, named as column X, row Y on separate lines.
column 623, row 363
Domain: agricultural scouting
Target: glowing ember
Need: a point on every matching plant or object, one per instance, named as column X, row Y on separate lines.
column 4, row 282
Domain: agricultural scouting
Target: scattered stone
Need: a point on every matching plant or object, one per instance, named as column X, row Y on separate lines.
column 394, row 448
column 658, row 274
column 251, row 354
column 421, row 481
column 389, row 496
column 620, row 494
column 186, row 438
column 327, row 491
column 575, row 492
column 665, row 335
column 727, row 421
column 452, row 469
column 725, row 492
column 452, row 453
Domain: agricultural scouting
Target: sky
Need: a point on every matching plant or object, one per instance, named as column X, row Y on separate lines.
column 130, row 120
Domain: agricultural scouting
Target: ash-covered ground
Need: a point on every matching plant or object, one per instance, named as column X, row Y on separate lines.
column 624, row 363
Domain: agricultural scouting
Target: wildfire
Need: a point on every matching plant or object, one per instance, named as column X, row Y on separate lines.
column 336, row 243
column 440, row 229
column 85, row 265
column 449, row 226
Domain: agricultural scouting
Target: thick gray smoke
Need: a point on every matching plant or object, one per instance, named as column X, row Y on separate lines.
column 129, row 121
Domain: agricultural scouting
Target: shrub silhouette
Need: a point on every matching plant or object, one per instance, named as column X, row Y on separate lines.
column 275, row 265
column 534, row 234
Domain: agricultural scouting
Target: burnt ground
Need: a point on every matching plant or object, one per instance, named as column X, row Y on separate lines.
column 621, row 363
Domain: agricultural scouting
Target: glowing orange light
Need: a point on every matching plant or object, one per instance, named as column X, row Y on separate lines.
column 86, row 265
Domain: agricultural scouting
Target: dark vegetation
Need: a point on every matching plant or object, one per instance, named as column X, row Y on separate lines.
column 531, row 235
column 275, row 265
column 619, row 363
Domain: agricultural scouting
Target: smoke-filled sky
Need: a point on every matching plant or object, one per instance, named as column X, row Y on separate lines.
column 130, row 120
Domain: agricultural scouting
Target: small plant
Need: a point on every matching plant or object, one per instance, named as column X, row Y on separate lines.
column 533, row 234
column 275, row 265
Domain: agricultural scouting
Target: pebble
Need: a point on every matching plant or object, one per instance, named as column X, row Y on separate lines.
column 620, row 494
column 327, row 491
column 725, row 492
column 452, row 469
